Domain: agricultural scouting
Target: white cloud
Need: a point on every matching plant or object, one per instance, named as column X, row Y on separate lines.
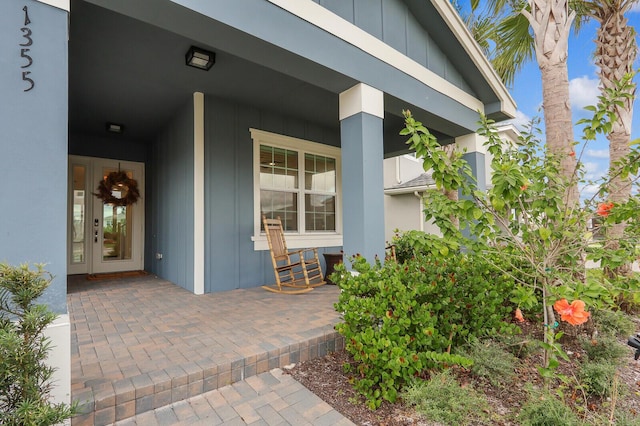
column 597, row 153
column 591, row 166
column 635, row 8
column 589, row 190
column 583, row 91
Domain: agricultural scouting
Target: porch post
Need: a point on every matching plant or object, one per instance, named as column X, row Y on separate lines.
column 34, row 160
column 198, row 193
column 361, row 115
column 476, row 157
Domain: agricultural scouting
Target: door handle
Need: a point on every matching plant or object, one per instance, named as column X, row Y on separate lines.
column 95, row 236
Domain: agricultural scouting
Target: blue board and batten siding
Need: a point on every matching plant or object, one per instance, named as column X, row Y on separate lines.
column 231, row 261
column 393, row 23
column 33, row 145
column 169, row 227
column 316, row 56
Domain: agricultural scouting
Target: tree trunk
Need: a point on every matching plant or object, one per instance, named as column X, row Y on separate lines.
column 551, row 23
column 616, row 51
column 558, row 124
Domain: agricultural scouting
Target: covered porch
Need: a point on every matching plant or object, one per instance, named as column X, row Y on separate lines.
column 134, row 346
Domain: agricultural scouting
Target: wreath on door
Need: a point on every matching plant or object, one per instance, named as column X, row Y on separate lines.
column 118, row 189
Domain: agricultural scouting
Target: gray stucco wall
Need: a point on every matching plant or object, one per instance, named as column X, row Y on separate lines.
column 169, row 204
column 231, row 260
column 33, row 144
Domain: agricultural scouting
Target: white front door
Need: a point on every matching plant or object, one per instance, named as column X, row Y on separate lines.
column 103, row 237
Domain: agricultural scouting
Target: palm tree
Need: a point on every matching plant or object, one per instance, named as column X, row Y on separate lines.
column 550, row 22
column 616, row 51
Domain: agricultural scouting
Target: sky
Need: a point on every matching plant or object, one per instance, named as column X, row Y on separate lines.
column 583, row 87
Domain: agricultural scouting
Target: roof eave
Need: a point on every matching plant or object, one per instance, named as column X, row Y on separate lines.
column 462, row 33
column 407, row 190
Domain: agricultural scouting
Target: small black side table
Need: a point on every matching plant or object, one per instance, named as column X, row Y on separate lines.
column 332, row 259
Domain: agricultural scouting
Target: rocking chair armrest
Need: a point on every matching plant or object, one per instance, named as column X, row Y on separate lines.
column 301, row 252
column 313, row 250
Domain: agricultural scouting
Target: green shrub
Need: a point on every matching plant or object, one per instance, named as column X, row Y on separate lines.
column 490, row 361
column 400, row 320
column 546, row 410
column 597, row 377
column 604, row 349
column 24, row 376
column 442, row 399
column 412, row 244
column 614, row 323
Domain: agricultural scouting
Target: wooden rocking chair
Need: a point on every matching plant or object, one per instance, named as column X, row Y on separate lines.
column 295, row 273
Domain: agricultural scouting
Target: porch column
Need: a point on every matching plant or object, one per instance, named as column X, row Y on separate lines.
column 476, row 157
column 198, row 193
column 361, row 115
column 33, row 160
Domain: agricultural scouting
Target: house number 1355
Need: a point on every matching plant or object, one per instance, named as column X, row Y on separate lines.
column 27, row 35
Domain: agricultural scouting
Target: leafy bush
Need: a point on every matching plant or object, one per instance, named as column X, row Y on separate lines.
column 412, row 244
column 597, row 377
column 24, row 377
column 401, row 320
column 490, row 361
column 546, row 410
column 442, row 399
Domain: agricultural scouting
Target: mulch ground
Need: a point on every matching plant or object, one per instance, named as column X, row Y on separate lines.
column 326, row 378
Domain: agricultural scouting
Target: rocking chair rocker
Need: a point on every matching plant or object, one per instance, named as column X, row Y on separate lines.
column 296, row 271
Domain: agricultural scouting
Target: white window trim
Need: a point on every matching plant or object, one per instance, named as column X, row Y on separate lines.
column 302, row 238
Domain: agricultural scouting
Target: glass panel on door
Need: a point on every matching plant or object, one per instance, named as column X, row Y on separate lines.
column 78, row 213
column 117, row 229
column 116, row 244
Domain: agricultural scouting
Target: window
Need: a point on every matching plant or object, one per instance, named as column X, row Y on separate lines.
column 299, row 182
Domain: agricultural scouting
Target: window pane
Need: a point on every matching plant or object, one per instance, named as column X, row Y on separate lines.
column 320, row 173
column 79, row 207
column 278, row 168
column 320, row 212
column 280, row 204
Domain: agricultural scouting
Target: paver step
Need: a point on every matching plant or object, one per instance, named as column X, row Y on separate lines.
column 110, row 402
column 271, row 398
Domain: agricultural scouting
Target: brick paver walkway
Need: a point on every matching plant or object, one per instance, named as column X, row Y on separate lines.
column 271, row 398
column 142, row 344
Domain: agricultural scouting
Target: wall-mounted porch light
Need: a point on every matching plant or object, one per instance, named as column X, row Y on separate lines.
column 115, row 128
column 200, row 58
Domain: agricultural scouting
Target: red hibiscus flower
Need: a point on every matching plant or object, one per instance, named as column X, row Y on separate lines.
column 518, row 315
column 604, row 209
column 573, row 313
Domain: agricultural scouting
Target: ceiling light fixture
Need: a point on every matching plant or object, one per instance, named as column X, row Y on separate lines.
column 200, row 58
column 115, row 128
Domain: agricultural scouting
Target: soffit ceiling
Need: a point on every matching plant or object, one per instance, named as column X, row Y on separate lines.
column 125, row 71
column 129, row 72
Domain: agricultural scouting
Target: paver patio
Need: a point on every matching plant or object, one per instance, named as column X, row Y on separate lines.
column 138, row 344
